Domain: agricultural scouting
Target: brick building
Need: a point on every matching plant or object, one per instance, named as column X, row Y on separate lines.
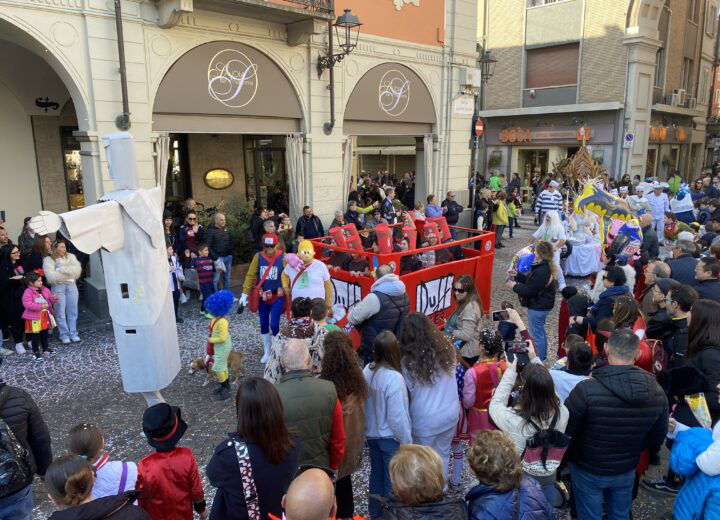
column 597, row 71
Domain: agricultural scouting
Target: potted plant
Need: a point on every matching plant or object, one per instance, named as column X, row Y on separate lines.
column 495, row 160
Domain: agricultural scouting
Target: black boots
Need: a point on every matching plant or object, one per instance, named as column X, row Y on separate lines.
column 223, row 391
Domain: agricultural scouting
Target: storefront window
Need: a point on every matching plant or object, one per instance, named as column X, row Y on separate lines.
column 73, row 168
column 651, row 162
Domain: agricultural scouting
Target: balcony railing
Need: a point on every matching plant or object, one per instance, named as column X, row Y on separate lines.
column 320, row 6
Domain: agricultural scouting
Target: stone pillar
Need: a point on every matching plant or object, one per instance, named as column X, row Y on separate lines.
column 421, row 187
column 95, row 292
column 642, row 42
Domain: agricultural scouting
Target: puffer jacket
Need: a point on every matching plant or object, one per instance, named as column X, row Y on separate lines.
column 33, row 309
column 604, row 307
column 22, row 415
column 700, row 494
column 62, row 270
column 116, row 507
column 615, row 415
column 537, row 288
column 485, row 503
column 219, row 241
column 446, row 509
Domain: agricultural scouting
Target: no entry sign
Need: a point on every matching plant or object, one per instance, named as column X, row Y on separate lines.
column 479, row 127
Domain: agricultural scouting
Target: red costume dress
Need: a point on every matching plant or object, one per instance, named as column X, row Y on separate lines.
column 480, row 382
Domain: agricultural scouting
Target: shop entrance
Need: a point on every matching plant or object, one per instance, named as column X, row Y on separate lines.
column 394, row 154
column 209, row 168
column 531, row 162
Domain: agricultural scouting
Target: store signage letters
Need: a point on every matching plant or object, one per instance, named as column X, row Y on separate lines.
column 394, row 93
column 232, row 78
column 516, row 135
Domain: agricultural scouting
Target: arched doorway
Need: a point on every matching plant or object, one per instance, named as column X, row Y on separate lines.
column 42, row 108
column 389, row 123
column 231, row 110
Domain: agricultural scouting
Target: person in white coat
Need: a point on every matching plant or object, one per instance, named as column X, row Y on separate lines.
column 659, row 204
column 638, row 203
column 428, row 365
column 62, row 270
column 387, row 414
column 126, row 226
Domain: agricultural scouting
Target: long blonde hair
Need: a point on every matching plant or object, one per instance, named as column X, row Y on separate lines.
column 544, row 251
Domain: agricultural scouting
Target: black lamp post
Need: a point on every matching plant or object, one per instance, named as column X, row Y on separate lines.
column 487, row 70
column 347, row 31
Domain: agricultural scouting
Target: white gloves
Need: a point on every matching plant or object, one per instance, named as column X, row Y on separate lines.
column 243, row 300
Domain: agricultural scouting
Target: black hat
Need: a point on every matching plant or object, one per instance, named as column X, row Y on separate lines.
column 163, row 426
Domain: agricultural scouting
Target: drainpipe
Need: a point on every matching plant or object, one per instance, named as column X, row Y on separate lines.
column 328, row 127
column 123, row 120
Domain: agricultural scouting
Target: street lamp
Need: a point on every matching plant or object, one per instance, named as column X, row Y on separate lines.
column 487, row 70
column 347, row 30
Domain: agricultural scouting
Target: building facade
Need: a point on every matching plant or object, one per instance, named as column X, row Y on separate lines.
column 226, row 100
column 630, row 79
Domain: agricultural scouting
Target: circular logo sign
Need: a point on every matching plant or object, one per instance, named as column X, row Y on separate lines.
column 488, row 245
column 232, row 78
column 394, row 93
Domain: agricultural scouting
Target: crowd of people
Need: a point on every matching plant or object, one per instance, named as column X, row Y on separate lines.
column 542, row 426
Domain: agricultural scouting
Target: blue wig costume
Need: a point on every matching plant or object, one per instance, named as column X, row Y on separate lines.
column 219, row 304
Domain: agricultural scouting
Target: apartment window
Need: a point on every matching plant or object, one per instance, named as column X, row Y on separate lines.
column 659, row 67
column 552, row 66
column 704, row 89
column 711, row 20
column 687, row 74
column 693, row 9
column 538, row 3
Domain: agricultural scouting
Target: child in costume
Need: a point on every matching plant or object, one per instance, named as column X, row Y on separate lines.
column 112, row 477
column 39, row 314
column 219, row 341
column 169, row 478
column 205, row 268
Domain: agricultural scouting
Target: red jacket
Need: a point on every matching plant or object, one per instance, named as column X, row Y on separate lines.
column 170, row 483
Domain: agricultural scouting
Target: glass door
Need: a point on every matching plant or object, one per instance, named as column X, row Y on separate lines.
column 73, row 167
column 265, row 172
column 178, row 185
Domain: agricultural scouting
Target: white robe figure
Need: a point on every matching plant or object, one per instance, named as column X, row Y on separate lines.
column 126, row 226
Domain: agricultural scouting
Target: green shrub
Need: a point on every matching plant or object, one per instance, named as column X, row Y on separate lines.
column 237, row 219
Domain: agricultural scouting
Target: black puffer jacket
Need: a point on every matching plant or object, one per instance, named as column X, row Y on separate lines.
column 116, row 507
column 219, row 241
column 707, row 361
column 614, row 416
column 23, row 417
column 536, row 290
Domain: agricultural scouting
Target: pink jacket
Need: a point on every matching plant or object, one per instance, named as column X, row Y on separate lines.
column 33, row 309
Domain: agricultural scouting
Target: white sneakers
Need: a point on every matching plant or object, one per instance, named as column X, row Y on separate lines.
column 65, row 341
column 19, row 348
column 76, row 339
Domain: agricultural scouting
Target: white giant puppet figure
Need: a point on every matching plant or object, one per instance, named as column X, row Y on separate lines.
column 126, row 226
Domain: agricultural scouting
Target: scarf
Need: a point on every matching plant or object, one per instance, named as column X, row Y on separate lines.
column 299, row 328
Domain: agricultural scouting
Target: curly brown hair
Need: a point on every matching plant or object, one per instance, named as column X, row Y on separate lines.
column 425, row 350
column 494, row 460
column 341, row 366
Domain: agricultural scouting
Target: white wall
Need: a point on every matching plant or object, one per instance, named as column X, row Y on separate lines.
column 19, row 186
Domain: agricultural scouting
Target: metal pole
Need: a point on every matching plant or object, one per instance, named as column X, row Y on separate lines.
column 328, row 127
column 123, row 120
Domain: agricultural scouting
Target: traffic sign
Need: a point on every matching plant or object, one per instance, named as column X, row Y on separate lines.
column 628, row 140
column 479, row 127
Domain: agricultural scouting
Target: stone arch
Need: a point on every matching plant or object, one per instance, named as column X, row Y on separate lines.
column 643, row 17
column 391, row 94
column 270, row 94
column 31, row 38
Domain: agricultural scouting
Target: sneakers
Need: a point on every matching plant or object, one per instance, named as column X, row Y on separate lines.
column 76, row 339
column 49, row 350
column 38, row 357
column 660, row 486
column 19, row 348
column 65, row 341
column 208, row 315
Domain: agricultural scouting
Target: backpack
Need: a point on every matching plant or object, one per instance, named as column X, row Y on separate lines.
column 544, row 451
column 15, row 467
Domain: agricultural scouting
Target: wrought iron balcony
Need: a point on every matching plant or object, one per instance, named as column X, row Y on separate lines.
column 320, row 6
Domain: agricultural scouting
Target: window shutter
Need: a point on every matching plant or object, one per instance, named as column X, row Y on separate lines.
column 552, row 66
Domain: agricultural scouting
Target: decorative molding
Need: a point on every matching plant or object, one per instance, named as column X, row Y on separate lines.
column 171, row 11
column 64, row 34
column 399, row 4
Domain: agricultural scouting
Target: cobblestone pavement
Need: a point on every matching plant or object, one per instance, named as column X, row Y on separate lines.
column 82, row 383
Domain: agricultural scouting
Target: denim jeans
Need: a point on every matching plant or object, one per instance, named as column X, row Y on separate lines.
column 66, row 309
column 381, row 451
column 18, row 506
column 560, row 274
column 227, row 260
column 536, row 326
column 591, row 490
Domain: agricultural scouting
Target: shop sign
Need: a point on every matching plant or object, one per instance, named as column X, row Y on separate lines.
column 464, row 106
column 232, row 78
column 394, row 93
column 516, row 135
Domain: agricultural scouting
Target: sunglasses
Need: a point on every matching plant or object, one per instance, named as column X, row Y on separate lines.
column 191, row 218
column 459, row 290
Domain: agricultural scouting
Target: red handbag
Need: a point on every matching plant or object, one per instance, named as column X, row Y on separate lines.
column 254, row 296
